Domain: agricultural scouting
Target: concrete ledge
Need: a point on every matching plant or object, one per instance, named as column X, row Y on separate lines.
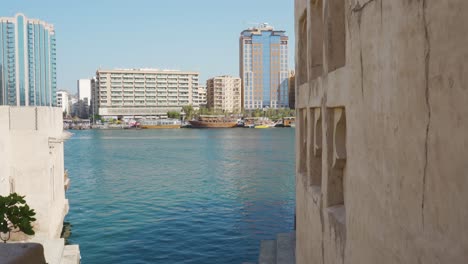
column 286, row 248
column 267, row 252
column 71, row 255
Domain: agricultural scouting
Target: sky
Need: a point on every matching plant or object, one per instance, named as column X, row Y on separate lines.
column 189, row 35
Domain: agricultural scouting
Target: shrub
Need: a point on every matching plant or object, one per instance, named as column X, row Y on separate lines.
column 16, row 216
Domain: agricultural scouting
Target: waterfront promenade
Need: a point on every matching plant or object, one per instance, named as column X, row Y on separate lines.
column 179, row 196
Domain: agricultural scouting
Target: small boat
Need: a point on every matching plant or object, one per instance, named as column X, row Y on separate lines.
column 279, row 123
column 160, row 123
column 213, row 121
column 262, row 126
column 289, row 121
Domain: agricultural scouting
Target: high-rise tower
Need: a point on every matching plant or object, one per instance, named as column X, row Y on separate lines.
column 27, row 62
column 263, row 57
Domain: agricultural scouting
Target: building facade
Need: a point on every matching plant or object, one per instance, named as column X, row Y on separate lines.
column 202, row 96
column 63, row 101
column 382, row 147
column 263, row 56
column 224, row 93
column 292, row 90
column 84, row 89
column 42, row 179
column 27, row 62
column 84, row 98
column 143, row 92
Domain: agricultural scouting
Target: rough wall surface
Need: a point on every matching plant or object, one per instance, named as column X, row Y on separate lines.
column 31, row 155
column 382, row 142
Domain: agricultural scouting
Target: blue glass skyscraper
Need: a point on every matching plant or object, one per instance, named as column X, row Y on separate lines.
column 27, row 62
column 264, row 68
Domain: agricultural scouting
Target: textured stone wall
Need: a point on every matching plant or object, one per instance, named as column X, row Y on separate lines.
column 32, row 164
column 382, row 131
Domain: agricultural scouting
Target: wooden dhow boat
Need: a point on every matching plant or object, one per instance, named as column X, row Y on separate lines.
column 213, row 121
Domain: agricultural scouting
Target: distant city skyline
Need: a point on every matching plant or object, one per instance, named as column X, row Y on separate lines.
column 201, row 36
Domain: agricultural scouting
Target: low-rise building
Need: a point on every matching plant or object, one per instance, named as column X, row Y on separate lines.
column 224, row 93
column 143, row 92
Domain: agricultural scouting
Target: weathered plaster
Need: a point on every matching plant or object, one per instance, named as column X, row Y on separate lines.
column 403, row 89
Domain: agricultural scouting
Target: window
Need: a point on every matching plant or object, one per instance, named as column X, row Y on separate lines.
column 302, row 74
column 315, row 38
column 336, row 144
column 336, row 48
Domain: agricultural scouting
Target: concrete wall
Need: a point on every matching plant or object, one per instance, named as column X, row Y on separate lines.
column 31, row 151
column 382, row 142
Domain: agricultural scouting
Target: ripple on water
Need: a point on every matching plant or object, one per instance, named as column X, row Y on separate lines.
column 179, row 196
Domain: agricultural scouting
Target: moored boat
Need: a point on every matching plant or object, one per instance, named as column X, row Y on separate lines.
column 289, row 121
column 262, row 126
column 212, row 121
column 160, row 123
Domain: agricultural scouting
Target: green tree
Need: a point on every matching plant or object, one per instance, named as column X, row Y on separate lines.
column 189, row 111
column 205, row 111
column 173, row 114
column 16, row 216
column 257, row 113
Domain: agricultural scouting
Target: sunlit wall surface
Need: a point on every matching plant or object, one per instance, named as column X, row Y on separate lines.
column 27, row 62
column 264, row 67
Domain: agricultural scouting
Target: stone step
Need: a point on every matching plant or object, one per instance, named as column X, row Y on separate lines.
column 267, row 252
column 286, row 248
column 71, row 255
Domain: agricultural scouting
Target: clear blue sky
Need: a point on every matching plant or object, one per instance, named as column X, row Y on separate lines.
column 192, row 35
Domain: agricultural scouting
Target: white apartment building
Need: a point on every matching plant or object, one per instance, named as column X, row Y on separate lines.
column 224, row 93
column 84, row 89
column 202, row 96
column 63, row 101
column 143, row 92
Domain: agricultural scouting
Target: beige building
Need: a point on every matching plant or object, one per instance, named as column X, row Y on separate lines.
column 224, row 93
column 143, row 92
column 382, row 142
column 38, row 174
column 201, row 96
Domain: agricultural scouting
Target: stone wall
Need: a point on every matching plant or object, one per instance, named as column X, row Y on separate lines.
column 382, row 131
column 32, row 163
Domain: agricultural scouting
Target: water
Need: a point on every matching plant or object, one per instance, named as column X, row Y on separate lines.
column 179, row 196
